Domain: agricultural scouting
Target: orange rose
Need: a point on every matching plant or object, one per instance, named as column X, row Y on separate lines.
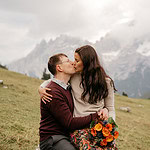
column 93, row 132
column 98, row 127
column 109, row 138
column 103, row 143
column 116, row 134
column 105, row 131
column 109, row 127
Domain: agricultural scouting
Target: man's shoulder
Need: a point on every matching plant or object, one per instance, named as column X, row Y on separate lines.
column 54, row 86
column 56, row 90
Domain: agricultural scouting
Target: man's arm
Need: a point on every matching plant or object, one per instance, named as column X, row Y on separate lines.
column 61, row 111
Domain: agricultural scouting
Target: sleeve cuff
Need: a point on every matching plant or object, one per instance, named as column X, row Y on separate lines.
column 106, row 108
column 94, row 116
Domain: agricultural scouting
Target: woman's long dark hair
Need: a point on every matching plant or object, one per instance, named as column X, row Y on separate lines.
column 93, row 75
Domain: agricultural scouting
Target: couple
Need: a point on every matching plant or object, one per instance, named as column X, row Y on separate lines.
column 90, row 95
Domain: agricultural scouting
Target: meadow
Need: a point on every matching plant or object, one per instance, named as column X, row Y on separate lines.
column 20, row 116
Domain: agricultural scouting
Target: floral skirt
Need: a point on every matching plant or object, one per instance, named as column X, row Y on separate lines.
column 80, row 139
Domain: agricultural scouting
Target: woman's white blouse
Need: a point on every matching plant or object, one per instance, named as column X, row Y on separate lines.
column 82, row 108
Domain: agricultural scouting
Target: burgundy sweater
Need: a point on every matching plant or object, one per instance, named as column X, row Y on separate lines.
column 57, row 115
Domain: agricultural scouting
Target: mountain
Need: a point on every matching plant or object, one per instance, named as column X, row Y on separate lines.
column 127, row 63
column 35, row 62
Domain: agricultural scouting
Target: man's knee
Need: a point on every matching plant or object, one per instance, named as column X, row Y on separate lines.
column 47, row 144
column 64, row 144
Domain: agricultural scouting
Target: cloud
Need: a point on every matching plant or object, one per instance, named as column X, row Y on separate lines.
column 24, row 23
column 87, row 18
column 135, row 24
column 15, row 42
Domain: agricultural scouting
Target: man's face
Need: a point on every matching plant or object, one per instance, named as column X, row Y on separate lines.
column 67, row 65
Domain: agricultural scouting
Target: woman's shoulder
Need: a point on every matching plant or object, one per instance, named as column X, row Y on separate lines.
column 109, row 82
column 108, row 79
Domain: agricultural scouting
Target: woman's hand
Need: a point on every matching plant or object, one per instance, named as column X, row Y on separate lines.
column 44, row 95
column 103, row 114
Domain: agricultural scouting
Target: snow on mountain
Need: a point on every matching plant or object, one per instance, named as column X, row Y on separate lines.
column 110, row 56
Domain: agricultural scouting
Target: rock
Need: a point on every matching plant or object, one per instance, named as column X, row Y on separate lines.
column 37, row 148
column 141, row 106
column 5, row 87
column 127, row 109
column 1, row 81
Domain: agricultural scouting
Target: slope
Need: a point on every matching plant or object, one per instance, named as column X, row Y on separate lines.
column 20, row 116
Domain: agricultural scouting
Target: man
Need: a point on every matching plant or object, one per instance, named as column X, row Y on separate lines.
column 57, row 116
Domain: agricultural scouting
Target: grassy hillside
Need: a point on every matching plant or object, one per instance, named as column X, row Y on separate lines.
column 20, row 116
column 19, row 112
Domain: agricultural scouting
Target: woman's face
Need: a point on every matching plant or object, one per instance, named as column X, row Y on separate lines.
column 78, row 64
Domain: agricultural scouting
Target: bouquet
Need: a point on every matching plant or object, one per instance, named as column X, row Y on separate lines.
column 100, row 135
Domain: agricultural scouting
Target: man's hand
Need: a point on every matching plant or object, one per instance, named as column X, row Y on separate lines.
column 44, row 95
column 103, row 114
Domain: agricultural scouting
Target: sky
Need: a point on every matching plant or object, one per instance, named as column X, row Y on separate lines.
column 24, row 23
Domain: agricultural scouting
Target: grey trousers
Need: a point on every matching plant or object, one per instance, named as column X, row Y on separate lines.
column 56, row 142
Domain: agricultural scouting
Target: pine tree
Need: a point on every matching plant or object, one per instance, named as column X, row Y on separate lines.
column 2, row 66
column 45, row 76
column 124, row 94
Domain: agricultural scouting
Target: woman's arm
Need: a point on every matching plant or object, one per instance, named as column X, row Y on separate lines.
column 103, row 113
column 109, row 100
column 45, row 83
column 43, row 91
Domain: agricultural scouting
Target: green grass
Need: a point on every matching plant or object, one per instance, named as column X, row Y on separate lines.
column 20, row 116
column 134, row 127
column 19, row 111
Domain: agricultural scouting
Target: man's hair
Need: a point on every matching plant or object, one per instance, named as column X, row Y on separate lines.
column 53, row 61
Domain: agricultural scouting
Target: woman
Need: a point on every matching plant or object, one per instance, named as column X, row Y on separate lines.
column 92, row 88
